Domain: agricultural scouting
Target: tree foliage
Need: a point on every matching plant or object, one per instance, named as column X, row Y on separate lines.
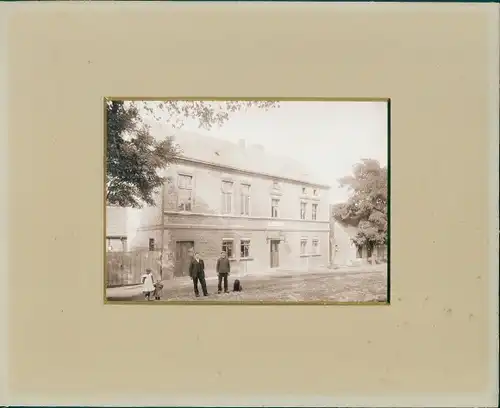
column 366, row 208
column 135, row 158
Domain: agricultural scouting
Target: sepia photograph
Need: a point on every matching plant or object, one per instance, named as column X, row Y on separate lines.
column 247, row 201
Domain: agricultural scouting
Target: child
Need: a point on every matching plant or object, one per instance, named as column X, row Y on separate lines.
column 158, row 290
column 148, row 285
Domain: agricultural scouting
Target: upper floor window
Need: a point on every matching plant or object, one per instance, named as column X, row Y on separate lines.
column 315, row 192
column 245, row 199
column 314, row 214
column 276, row 185
column 185, row 194
column 227, row 197
column 275, row 208
column 303, row 209
column 304, row 190
column 185, row 181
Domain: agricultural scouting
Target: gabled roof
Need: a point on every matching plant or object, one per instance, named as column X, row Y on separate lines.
column 251, row 158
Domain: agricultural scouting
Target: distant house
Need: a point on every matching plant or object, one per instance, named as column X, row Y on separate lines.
column 265, row 211
column 345, row 252
column 121, row 228
column 116, row 229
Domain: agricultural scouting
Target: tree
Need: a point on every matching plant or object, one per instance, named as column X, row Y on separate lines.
column 135, row 158
column 366, row 208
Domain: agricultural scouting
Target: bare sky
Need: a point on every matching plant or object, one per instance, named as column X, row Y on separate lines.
column 328, row 137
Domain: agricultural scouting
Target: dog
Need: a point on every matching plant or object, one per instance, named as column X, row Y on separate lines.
column 237, row 286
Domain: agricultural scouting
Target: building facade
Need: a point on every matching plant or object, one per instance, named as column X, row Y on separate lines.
column 345, row 253
column 265, row 212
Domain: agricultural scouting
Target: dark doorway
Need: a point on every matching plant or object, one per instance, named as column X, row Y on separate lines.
column 275, row 253
column 184, row 251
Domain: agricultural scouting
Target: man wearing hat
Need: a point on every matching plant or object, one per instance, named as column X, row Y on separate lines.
column 197, row 273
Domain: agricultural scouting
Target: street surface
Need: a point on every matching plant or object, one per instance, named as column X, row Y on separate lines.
column 368, row 286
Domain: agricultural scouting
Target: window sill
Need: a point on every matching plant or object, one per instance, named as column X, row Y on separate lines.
column 315, row 255
column 246, row 259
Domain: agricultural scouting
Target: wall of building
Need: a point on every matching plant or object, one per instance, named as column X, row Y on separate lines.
column 209, row 244
column 129, row 223
column 346, row 253
column 144, row 224
column 207, row 226
column 207, row 192
column 345, row 250
column 116, row 221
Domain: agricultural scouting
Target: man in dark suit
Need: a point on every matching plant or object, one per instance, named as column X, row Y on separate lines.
column 223, row 270
column 197, row 273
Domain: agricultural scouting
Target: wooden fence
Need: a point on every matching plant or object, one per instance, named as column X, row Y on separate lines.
column 126, row 268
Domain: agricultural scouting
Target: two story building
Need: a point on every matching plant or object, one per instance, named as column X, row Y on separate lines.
column 264, row 211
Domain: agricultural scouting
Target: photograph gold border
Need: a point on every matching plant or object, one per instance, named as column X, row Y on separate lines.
column 248, row 302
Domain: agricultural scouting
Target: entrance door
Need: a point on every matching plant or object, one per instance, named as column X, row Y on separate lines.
column 275, row 253
column 184, row 251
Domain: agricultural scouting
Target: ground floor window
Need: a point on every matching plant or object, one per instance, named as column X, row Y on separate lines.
column 227, row 247
column 303, row 246
column 359, row 252
column 369, row 251
column 381, row 251
column 245, row 248
column 315, row 247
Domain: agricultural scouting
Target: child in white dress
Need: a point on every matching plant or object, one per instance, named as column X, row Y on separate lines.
column 148, row 284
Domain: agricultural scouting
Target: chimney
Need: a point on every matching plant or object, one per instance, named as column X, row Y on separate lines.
column 242, row 144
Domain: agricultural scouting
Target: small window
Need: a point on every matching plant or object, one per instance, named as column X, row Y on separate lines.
column 245, row 248
column 314, row 213
column 303, row 246
column 276, row 185
column 303, row 209
column 304, row 190
column 315, row 247
column 275, row 208
column 185, row 181
column 315, row 192
column 151, row 244
column 227, row 247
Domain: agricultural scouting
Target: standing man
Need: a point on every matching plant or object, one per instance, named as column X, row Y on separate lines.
column 223, row 269
column 197, row 273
